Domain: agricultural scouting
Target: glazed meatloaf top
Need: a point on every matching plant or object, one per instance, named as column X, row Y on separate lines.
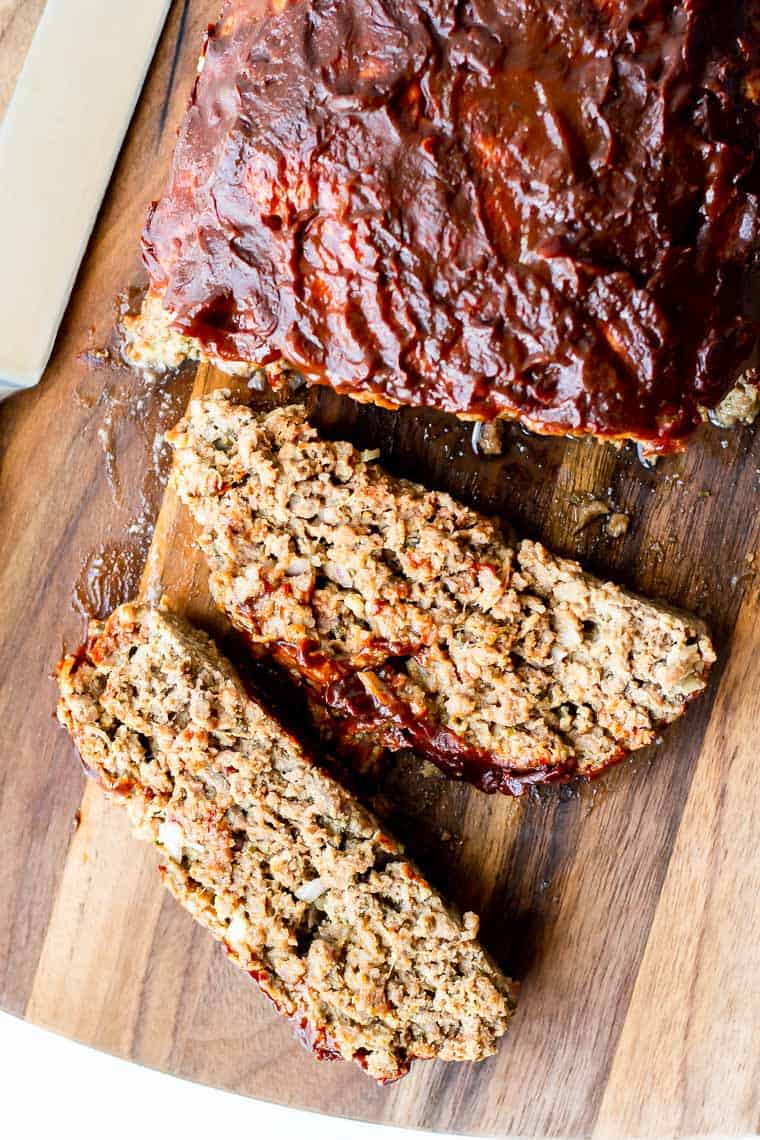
column 272, row 855
column 413, row 620
column 529, row 209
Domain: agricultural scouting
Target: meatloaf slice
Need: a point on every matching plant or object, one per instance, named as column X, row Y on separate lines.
column 274, row 857
column 411, row 618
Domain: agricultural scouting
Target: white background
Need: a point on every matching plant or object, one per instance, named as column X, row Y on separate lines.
column 51, row 1087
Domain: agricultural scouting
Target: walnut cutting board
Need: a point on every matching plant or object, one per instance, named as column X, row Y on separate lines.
column 628, row 908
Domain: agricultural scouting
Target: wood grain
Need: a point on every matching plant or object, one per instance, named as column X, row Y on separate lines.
column 18, row 23
column 696, row 994
column 627, row 907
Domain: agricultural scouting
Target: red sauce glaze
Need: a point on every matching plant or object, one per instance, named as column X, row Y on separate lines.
column 314, row 1039
column 494, row 207
column 338, row 686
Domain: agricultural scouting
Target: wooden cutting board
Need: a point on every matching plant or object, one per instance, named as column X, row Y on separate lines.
column 627, row 907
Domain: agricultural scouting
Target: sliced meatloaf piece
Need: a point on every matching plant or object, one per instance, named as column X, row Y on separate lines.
column 274, row 857
column 411, row 618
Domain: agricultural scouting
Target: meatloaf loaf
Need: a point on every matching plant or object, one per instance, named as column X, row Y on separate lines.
column 412, row 620
column 274, row 857
column 518, row 208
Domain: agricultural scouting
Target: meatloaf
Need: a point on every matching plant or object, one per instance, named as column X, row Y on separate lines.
column 273, row 856
column 514, row 208
column 410, row 617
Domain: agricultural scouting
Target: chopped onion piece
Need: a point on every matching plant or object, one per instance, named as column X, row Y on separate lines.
column 172, row 837
column 310, row 892
column 237, row 929
column 338, row 573
column 298, row 566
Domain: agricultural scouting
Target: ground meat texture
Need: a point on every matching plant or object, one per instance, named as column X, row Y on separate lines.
column 410, row 617
column 512, row 208
column 274, row 857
